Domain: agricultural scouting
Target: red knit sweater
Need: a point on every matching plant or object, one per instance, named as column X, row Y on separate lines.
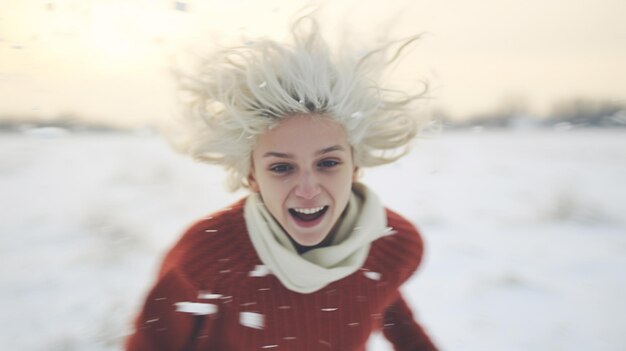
column 238, row 307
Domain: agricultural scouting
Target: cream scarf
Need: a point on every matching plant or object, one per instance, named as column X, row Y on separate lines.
column 363, row 222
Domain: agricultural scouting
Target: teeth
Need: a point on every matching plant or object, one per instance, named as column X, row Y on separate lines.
column 308, row 211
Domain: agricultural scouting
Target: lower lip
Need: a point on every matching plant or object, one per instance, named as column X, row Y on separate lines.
column 308, row 224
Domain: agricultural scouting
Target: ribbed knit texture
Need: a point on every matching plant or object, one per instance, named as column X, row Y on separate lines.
column 215, row 264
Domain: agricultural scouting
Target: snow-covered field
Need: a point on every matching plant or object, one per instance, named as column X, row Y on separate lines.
column 525, row 235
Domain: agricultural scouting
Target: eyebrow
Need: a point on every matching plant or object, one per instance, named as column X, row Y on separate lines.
column 330, row 149
column 317, row 153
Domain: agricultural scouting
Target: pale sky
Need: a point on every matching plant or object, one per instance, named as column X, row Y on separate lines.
column 109, row 59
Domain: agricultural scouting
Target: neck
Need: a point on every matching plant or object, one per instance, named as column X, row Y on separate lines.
column 328, row 240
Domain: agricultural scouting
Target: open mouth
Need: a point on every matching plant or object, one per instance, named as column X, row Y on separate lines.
column 308, row 214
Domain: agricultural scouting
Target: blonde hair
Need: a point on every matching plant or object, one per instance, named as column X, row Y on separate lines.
column 241, row 92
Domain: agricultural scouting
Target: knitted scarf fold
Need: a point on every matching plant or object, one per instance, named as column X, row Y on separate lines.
column 363, row 221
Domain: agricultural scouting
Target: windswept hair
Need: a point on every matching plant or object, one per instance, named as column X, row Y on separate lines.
column 241, row 92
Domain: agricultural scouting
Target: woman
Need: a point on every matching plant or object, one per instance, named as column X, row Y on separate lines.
column 310, row 260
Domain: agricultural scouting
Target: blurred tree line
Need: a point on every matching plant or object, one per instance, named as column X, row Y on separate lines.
column 513, row 112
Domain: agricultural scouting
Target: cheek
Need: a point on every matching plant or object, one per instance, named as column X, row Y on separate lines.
column 272, row 191
column 342, row 186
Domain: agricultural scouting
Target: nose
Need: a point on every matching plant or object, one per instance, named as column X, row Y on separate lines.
column 307, row 186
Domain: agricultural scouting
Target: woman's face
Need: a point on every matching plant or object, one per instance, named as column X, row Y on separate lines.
column 303, row 169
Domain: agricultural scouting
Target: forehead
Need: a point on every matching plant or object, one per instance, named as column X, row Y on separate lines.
column 302, row 133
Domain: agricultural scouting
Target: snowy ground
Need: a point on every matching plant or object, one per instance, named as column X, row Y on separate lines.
column 525, row 234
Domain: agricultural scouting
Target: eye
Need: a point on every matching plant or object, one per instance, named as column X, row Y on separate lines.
column 329, row 163
column 280, row 168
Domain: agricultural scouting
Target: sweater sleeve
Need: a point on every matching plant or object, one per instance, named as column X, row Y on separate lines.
column 173, row 318
column 401, row 329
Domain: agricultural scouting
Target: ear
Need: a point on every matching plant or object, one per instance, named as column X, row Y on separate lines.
column 254, row 185
column 356, row 173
